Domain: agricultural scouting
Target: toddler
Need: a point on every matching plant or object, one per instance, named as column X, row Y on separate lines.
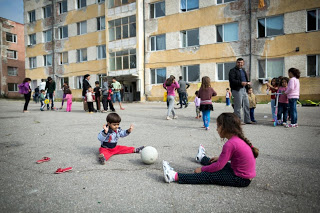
column 109, row 138
column 197, row 103
column 89, row 99
column 97, row 93
column 42, row 98
column 283, row 102
column 228, row 96
column 252, row 103
column 273, row 87
column 69, row 99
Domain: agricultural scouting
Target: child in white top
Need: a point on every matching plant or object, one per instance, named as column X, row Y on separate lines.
column 197, row 104
column 90, row 99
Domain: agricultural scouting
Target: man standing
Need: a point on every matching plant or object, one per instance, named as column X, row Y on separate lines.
column 51, row 88
column 238, row 80
column 105, row 93
column 116, row 92
column 85, row 86
column 183, row 92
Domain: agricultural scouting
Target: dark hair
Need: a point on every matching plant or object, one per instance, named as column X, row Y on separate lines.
column 114, row 78
column 97, row 82
column 86, row 76
column 66, row 83
column 169, row 81
column 248, row 87
column 205, row 82
column 42, row 90
column 276, row 81
column 240, row 59
column 231, row 124
column 26, row 80
column 68, row 91
column 295, row 72
column 197, row 92
column 180, row 77
column 113, row 118
column 227, row 88
column 284, row 78
column 110, row 86
column 49, row 78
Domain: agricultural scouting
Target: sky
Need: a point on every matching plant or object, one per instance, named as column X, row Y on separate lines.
column 12, row 9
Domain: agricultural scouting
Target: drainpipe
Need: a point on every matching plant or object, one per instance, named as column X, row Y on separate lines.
column 53, row 41
column 250, row 40
column 144, row 51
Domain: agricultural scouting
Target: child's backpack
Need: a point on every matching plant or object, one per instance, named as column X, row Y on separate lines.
column 23, row 88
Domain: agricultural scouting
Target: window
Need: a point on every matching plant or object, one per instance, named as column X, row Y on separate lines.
column 63, row 6
column 32, row 16
column 313, row 64
column 223, row 70
column 63, row 58
column 32, row 39
column 47, row 60
column 11, row 37
column 100, row 1
column 82, row 55
column 81, row 27
column 47, row 35
column 12, row 54
column 117, row 3
column 63, row 32
column 32, row 62
column 100, row 78
column 12, row 71
column 158, row 76
column 158, row 42
column 190, row 38
column 82, row 3
column 122, row 28
column 157, row 9
column 12, row 87
column 101, row 51
column 122, row 60
column 191, row 73
column 227, row 32
column 270, row 26
column 271, row 68
column 101, row 23
column 187, row 5
column 47, row 11
column 64, row 80
column 313, row 20
column 224, row 1
column 78, row 82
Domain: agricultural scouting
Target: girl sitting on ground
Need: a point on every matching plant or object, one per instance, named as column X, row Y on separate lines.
column 217, row 170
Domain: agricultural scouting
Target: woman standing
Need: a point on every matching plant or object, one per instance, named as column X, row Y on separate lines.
column 170, row 85
column 25, row 89
column 205, row 94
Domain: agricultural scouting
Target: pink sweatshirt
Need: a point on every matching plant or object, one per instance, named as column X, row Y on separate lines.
column 171, row 88
column 293, row 88
column 240, row 154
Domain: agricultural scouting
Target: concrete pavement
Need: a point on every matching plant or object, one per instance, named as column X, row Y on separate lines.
column 287, row 168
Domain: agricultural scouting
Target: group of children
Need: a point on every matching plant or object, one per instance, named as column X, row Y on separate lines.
column 93, row 95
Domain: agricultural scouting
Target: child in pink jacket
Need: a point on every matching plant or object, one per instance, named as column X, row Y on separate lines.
column 69, row 100
column 293, row 92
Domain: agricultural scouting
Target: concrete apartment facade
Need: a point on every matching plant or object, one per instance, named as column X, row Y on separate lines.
column 143, row 42
column 12, row 70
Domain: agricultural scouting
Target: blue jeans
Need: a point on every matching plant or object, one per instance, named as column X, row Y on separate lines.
column 273, row 108
column 252, row 115
column 293, row 110
column 228, row 101
column 116, row 96
column 283, row 109
column 206, row 118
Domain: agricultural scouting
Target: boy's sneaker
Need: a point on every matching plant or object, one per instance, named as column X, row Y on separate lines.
column 168, row 173
column 291, row 125
column 102, row 159
column 175, row 117
column 201, row 153
column 279, row 122
column 168, row 118
column 284, row 124
column 138, row 150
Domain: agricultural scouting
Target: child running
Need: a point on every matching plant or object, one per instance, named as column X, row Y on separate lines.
column 283, row 102
column 42, row 98
column 293, row 92
column 109, row 138
column 217, row 170
column 252, row 104
column 273, row 87
column 197, row 103
column 205, row 94
column 69, row 99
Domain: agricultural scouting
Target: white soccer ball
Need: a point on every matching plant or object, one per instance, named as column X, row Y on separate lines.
column 149, row 155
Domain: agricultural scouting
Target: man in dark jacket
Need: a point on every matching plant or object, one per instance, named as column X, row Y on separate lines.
column 238, row 80
column 51, row 88
column 183, row 92
column 85, row 86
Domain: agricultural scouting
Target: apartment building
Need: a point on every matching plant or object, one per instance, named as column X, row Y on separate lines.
column 12, row 70
column 196, row 38
column 142, row 42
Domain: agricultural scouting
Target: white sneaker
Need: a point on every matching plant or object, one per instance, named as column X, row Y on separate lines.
column 175, row 117
column 168, row 118
column 201, row 153
column 168, row 172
